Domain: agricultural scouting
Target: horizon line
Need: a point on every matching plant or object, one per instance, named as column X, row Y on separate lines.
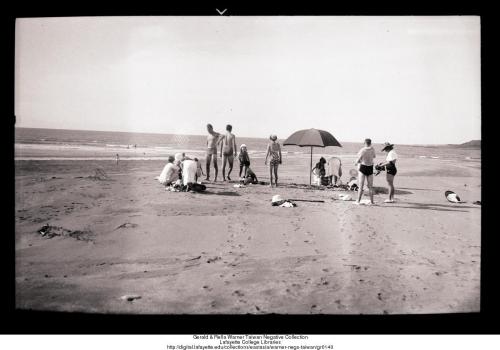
column 250, row 137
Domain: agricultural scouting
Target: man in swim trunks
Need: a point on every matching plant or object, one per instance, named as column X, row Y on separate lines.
column 228, row 151
column 365, row 169
column 212, row 141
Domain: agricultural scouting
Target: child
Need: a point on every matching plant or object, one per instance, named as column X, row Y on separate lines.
column 352, row 185
column 319, row 171
column 244, row 160
column 199, row 169
column 273, row 150
column 250, row 177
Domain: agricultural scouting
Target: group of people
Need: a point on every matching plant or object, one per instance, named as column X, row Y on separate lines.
column 329, row 172
column 365, row 163
column 228, row 151
column 184, row 171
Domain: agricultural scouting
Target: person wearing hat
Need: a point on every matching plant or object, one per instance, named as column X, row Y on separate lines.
column 390, row 168
column 244, row 160
column 274, row 151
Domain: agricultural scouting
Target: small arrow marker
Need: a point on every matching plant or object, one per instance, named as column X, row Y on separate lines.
column 221, row 13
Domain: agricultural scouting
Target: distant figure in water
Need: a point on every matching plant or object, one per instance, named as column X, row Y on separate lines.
column 135, row 146
column 117, row 158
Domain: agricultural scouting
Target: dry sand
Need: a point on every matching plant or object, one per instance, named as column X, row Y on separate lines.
column 229, row 251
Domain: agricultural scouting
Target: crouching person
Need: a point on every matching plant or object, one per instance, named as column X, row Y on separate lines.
column 250, row 177
column 170, row 172
column 190, row 170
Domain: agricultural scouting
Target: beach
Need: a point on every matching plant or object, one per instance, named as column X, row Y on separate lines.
column 125, row 245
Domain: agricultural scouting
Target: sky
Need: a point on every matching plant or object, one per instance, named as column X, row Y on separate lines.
column 407, row 80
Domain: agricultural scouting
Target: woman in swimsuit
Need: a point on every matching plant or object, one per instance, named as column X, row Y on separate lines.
column 390, row 168
column 365, row 169
column 273, row 150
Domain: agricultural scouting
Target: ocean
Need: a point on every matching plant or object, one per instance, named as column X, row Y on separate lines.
column 46, row 144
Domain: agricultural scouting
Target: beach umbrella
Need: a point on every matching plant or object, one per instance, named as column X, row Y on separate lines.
column 311, row 138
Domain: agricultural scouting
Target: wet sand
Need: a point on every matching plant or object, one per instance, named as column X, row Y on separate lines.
column 229, row 251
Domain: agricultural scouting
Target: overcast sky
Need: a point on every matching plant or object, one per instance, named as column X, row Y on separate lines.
column 408, row 80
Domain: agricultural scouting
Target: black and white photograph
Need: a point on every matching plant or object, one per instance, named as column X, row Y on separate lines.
column 228, row 165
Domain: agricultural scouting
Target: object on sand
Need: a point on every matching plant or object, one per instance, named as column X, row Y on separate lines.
column 452, row 197
column 477, row 202
column 307, row 200
column 277, row 200
column 130, row 297
column 345, row 197
column 239, row 185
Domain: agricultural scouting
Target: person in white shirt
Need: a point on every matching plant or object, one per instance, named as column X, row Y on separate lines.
column 390, row 167
column 365, row 169
column 170, row 172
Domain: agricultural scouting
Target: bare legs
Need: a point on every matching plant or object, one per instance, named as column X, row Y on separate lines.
column 361, row 184
column 390, row 182
column 208, row 160
column 244, row 172
column 225, row 159
column 273, row 168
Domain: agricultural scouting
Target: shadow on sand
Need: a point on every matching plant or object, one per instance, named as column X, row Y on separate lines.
column 435, row 207
column 222, row 193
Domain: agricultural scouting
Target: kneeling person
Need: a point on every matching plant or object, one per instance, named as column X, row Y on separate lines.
column 250, row 178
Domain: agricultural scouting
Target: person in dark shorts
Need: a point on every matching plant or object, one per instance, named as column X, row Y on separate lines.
column 365, row 169
column 390, row 168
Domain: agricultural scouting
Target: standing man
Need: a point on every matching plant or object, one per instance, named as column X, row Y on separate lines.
column 228, row 151
column 365, row 169
column 212, row 141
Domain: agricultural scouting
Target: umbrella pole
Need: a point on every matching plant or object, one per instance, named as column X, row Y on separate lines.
column 310, row 166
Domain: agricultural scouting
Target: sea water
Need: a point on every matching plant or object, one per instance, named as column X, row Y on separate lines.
column 46, row 144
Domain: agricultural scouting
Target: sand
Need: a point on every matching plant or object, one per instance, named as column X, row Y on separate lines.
column 229, row 251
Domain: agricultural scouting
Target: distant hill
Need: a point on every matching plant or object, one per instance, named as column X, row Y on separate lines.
column 471, row 144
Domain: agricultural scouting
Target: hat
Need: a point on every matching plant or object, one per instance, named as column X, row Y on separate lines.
column 178, row 156
column 243, row 145
column 273, row 137
column 276, row 198
column 387, row 145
